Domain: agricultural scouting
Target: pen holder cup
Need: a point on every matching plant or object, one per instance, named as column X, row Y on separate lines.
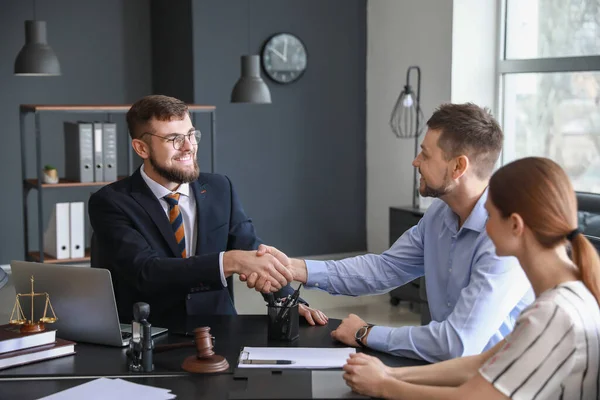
column 283, row 323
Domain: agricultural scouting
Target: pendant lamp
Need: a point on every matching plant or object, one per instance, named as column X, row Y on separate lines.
column 250, row 88
column 36, row 58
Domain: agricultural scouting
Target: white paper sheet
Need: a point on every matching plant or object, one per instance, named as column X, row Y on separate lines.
column 303, row 357
column 104, row 388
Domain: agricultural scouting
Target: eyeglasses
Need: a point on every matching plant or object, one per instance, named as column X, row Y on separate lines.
column 178, row 139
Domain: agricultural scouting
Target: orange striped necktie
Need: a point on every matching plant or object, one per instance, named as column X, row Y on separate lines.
column 176, row 220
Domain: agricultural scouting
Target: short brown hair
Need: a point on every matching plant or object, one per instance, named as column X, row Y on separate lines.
column 467, row 129
column 162, row 108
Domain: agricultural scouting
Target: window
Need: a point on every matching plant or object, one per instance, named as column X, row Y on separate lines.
column 550, row 85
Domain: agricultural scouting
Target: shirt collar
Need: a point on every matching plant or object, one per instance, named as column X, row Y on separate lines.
column 159, row 190
column 475, row 221
column 479, row 216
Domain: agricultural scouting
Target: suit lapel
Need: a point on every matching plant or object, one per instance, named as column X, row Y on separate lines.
column 144, row 196
column 200, row 193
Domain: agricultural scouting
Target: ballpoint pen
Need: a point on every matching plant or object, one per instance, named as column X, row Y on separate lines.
column 284, row 311
column 268, row 362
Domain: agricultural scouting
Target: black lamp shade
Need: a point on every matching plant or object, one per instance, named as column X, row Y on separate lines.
column 250, row 88
column 406, row 116
column 36, row 57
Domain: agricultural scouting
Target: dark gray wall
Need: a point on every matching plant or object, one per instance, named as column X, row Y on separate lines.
column 104, row 51
column 299, row 163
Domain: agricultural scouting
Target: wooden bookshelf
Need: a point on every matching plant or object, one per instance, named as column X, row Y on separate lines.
column 35, row 256
column 62, row 183
column 36, row 112
column 95, row 108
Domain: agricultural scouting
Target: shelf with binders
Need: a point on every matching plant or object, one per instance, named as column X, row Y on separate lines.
column 48, row 259
column 106, row 111
column 63, row 183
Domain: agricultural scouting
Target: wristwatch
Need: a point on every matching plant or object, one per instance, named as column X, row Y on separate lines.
column 361, row 333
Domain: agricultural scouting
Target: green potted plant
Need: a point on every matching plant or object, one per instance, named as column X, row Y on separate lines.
column 50, row 174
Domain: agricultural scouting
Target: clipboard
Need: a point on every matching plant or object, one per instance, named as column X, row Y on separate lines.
column 302, row 357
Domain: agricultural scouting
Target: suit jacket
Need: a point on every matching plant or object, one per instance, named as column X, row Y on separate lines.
column 134, row 240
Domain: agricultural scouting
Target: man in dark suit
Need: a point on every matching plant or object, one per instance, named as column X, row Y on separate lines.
column 172, row 236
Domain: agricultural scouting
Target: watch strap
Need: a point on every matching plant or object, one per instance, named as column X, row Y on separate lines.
column 359, row 339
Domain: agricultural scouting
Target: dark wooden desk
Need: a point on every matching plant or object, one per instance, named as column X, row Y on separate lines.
column 231, row 333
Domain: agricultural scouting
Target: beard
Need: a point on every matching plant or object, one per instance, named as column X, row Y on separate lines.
column 439, row 191
column 173, row 174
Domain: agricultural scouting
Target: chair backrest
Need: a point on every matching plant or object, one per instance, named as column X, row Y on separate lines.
column 588, row 213
column 97, row 260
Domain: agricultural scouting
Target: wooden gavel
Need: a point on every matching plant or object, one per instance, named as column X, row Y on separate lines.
column 205, row 359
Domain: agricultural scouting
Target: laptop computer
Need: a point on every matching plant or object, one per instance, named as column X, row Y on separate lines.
column 82, row 298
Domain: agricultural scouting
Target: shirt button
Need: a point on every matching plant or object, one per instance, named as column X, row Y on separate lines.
column 449, row 304
column 449, row 269
column 317, row 284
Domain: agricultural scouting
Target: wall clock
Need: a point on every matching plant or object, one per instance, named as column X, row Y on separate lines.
column 284, row 58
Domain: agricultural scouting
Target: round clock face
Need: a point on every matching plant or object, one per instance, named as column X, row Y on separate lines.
column 284, row 58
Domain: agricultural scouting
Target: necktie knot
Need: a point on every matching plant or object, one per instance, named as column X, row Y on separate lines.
column 172, row 199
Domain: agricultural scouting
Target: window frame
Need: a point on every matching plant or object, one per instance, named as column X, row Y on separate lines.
column 506, row 67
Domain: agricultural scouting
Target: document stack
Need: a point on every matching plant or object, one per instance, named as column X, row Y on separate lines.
column 18, row 348
column 65, row 236
column 90, row 151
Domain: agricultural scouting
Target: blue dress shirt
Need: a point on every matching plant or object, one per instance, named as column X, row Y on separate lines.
column 474, row 296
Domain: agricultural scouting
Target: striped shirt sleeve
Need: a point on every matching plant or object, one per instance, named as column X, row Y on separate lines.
column 538, row 354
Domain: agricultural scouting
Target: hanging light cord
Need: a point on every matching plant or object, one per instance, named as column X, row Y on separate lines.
column 248, row 3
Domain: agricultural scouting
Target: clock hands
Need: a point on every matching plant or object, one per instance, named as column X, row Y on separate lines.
column 276, row 52
column 291, row 56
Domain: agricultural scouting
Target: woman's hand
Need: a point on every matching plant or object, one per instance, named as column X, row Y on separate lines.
column 366, row 374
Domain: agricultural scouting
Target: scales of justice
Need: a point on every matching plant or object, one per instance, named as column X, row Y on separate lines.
column 30, row 325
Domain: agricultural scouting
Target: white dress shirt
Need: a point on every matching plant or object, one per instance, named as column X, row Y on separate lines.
column 187, row 206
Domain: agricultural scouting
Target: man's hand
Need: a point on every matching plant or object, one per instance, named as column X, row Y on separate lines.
column 312, row 315
column 262, row 250
column 297, row 266
column 366, row 375
column 270, row 275
column 278, row 254
column 347, row 329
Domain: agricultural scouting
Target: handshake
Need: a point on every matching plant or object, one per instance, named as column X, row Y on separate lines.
column 266, row 270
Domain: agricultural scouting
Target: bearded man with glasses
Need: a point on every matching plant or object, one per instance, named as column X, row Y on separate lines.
column 173, row 237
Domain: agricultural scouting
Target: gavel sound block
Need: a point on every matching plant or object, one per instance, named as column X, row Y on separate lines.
column 205, row 361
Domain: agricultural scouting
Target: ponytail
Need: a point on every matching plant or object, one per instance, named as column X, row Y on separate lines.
column 586, row 258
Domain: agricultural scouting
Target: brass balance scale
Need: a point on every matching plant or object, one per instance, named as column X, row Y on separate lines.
column 30, row 325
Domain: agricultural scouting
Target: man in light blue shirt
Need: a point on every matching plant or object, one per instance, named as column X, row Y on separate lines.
column 474, row 296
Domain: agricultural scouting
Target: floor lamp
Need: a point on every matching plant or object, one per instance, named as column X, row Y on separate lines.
column 407, row 120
